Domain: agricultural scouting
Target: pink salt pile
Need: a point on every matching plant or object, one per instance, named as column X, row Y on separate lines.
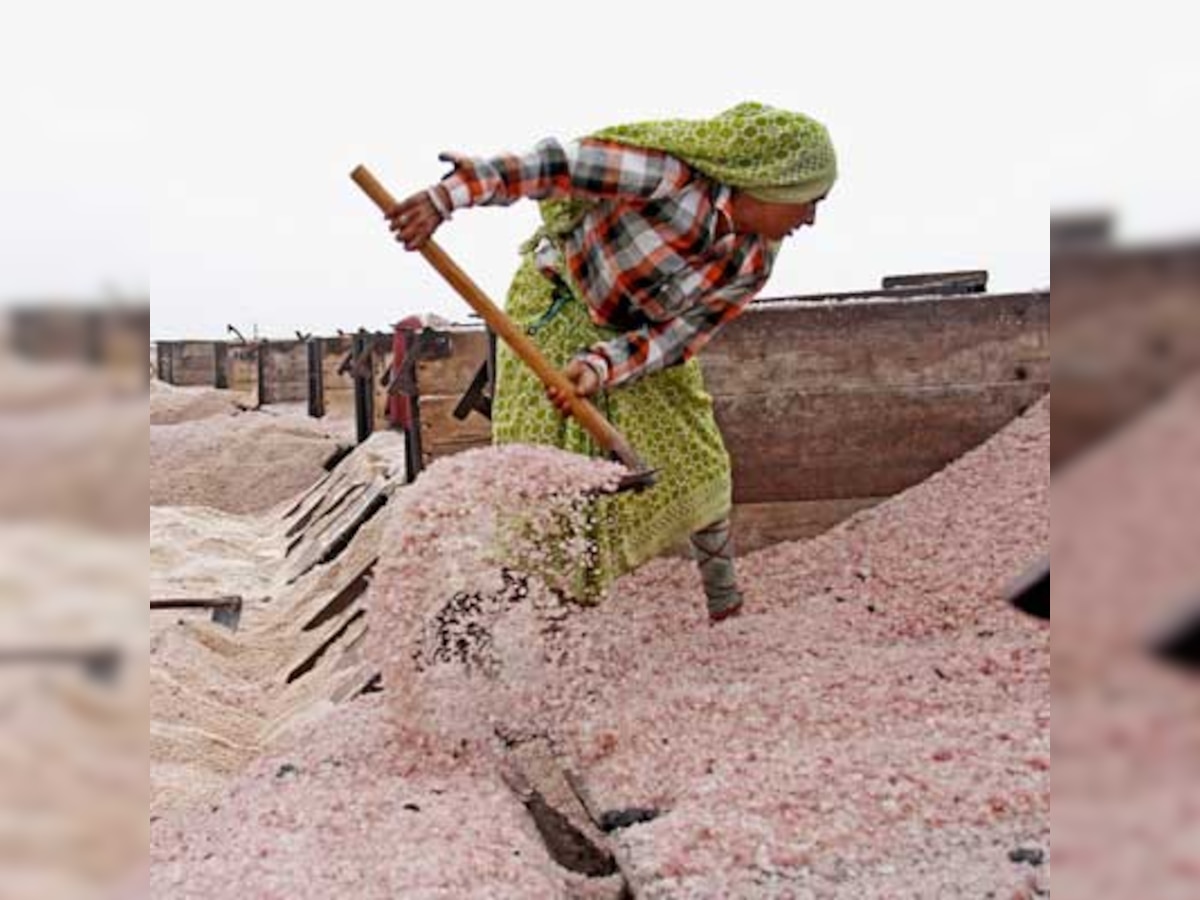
column 877, row 725
column 357, row 810
column 1127, row 723
column 452, row 619
column 73, row 737
column 243, row 463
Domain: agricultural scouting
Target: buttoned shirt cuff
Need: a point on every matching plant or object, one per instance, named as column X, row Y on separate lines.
column 598, row 364
column 458, row 189
column 439, row 201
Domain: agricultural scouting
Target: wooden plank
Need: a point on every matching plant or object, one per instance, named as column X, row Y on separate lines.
column 221, row 359
column 378, row 346
column 816, row 458
column 822, row 347
column 52, row 332
column 242, row 371
column 1115, row 358
column 842, row 445
column 838, row 402
column 333, row 353
column 332, row 536
column 339, row 387
column 758, row 525
column 286, row 372
column 452, row 375
column 439, row 427
column 164, row 363
column 1087, row 282
column 449, row 449
column 316, row 377
column 380, row 363
column 125, row 334
column 116, row 337
column 790, row 447
column 883, row 295
column 193, row 363
column 966, row 281
column 944, row 340
column 339, row 404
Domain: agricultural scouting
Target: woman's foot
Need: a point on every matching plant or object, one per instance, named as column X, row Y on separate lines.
column 729, row 612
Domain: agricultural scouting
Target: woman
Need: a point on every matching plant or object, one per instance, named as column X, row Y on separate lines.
column 656, row 234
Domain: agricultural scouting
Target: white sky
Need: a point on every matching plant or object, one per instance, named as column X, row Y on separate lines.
column 200, row 151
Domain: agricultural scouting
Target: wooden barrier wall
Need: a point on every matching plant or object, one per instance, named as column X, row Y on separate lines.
column 441, row 383
column 337, row 386
column 337, row 375
column 284, row 372
column 277, row 371
column 189, row 363
column 1126, row 332
column 114, row 337
column 827, row 408
column 830, row 408
column 242, row 372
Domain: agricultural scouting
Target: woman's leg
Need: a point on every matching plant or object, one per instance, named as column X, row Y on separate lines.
column 712, row 548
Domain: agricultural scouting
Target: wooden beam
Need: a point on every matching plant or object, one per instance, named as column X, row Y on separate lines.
column 843, row 445
column 853, row 347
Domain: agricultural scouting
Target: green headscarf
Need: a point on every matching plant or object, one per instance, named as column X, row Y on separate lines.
column 771, row 154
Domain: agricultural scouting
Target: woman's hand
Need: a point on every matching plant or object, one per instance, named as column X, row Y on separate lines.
column 413, row 221
column 584, row 380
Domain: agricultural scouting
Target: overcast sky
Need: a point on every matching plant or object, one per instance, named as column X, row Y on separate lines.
column 200, row 152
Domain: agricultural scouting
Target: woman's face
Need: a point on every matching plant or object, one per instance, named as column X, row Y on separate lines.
column 774, row 221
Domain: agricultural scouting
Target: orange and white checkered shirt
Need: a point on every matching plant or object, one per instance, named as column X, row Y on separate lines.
column 656, row 256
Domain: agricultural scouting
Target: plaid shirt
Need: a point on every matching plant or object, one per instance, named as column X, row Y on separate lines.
column 656, row 256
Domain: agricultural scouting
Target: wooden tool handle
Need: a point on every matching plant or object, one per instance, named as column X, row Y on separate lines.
column 587, row 415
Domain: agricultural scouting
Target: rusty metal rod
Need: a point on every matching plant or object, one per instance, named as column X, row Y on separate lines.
column 226, row 611
column 198, row 603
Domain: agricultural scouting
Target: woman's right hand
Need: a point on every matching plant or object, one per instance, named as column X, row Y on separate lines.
column 583, row 379
column 414, row 220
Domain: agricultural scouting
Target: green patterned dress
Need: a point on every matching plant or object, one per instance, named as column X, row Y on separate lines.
column 666, row 416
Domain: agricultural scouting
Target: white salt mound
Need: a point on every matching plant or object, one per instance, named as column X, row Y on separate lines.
column 170, row 405
column 239, row 464
column 221, row 698
column 83, row 464
column 34, row 387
